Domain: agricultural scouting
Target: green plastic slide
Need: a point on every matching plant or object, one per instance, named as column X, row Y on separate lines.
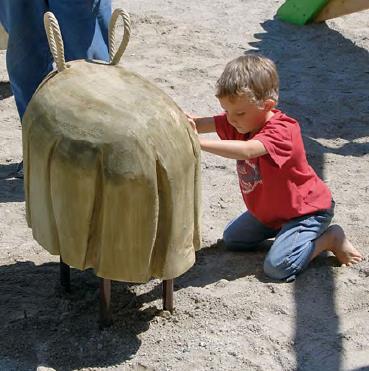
column 300, row 11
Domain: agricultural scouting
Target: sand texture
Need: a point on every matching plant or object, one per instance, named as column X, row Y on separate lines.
column 228, row 316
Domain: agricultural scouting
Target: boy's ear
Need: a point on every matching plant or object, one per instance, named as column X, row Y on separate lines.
column 269, row 104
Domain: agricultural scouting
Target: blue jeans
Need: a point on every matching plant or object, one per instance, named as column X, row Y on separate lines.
column 84, row 27
column 293, row 246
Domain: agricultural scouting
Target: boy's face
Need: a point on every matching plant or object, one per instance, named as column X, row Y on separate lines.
column 245, row 116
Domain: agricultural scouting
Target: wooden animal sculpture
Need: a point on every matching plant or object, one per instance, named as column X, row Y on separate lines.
column 3, row 38
column 112, row 169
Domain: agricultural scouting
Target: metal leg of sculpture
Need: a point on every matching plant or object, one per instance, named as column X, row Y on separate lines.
column 105, row 301
column 168, row 295
column 64, row 275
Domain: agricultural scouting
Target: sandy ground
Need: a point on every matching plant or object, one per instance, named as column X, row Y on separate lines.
column 228, row 316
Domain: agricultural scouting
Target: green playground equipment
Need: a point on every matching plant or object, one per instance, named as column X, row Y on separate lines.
column 300, row 11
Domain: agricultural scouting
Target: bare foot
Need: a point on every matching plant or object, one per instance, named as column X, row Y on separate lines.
column 334, row 240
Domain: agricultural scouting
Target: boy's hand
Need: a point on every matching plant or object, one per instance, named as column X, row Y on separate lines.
column 201, row 125
column 192, row 122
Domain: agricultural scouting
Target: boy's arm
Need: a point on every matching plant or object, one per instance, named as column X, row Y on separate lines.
column 203, row 124
column 234, row 149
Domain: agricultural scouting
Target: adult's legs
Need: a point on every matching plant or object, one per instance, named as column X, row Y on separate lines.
column 245, row 233
column 28, row 57
column 84, row 26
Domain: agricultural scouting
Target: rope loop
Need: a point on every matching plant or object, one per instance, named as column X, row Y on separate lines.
column 55, row 40
column 116, row 55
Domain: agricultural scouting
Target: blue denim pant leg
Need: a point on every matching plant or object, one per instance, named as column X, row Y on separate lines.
column 84, row 25
column 294, row 245
column 28, row 57
column 245, row 233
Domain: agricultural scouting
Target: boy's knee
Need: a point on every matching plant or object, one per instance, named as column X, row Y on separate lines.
column 227, row 241
column 279, row 269
column 231, row 243
column 234, row 245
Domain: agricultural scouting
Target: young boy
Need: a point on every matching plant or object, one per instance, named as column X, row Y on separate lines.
column 284, row 197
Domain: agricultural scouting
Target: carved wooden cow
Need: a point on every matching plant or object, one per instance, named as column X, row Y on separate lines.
column 112, row 174
column 3, row 38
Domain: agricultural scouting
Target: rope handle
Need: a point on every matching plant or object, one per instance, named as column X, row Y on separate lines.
column 55, row 40
column 56, row 44
column 116, row 55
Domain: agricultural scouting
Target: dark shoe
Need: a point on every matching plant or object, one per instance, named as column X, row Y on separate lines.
column 19, row 173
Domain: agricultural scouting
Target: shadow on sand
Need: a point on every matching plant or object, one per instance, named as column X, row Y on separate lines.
column 42, row 325
column 60, row 330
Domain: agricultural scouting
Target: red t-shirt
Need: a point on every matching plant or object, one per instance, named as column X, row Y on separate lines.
column 280, row 185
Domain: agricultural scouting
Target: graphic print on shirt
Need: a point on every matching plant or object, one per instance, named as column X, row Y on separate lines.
column 249, row 175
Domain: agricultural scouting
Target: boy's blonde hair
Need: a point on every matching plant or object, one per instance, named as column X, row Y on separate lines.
column 252, row 75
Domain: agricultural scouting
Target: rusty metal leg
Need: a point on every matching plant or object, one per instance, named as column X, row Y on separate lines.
column 168, row 295
column 64, row 275
column 105, row 300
